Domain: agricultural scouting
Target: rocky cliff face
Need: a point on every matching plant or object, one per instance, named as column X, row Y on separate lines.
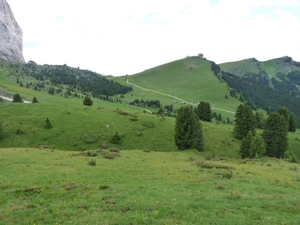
column 11, row 35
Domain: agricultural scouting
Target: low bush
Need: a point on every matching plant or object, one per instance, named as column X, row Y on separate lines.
column 149, row 124
column 123, row 113
column 228, row 174
column 92, row 162
column 234, row 195
column 90, row 138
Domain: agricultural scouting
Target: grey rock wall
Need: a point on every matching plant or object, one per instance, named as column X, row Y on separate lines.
column 11, row 35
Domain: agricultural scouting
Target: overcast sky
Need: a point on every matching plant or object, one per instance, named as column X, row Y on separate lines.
column 121, row 37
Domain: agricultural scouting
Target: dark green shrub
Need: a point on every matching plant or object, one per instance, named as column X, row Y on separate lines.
column 17, row 98
column 103, row 187
column 91, row 153
column 149, row 124
column 116, row 139
column 123, row 113
column 87, row 101
column 234, row 195
column 228, row 174
column 90, row 138
column 108, row 155
column 92, row 162
column 114, row 150
column 48, row 124
column 19, row 132
column 34, row 100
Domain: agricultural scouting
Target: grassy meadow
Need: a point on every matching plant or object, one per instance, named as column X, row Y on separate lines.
column 73, row 174
column 145, row 187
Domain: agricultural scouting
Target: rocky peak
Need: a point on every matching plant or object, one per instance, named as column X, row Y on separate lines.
column 11, row 35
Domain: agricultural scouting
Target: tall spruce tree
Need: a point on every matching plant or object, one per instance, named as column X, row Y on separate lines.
column 257, row 147
column 275, row 135
column 188, row 130
column 204, row 111
column 244, row 122
column 292, row 123
column 245, row 146
column 285, row 112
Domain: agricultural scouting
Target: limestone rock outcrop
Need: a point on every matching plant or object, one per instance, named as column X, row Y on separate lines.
column 11, row 35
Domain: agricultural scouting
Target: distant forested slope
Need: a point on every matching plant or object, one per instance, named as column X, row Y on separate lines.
column 64, row 77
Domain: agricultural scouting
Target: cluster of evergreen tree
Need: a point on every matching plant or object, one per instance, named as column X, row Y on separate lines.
column 146, row 103
column 188, row 130
column 74, row 79
column 257, row 93
column 275, row 130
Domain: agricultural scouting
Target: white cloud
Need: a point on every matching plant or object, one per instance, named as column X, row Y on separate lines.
column 124, row 37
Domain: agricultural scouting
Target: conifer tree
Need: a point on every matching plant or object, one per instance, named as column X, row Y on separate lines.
column 257, row 147
column 244, row 121
column 34, row 100
column 87, row 101
column 204, row 111
column 275, row 135
column 116, row 139
column 188, row 130
column 245, row 146
column 292, row 123
column 17, row 98
column 284, row 111
column 48, row 124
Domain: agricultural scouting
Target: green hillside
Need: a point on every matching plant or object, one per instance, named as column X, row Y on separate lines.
column 73, row 173
column 242, row 67
column 267, row 85
column 272, row 68
column 190, row 79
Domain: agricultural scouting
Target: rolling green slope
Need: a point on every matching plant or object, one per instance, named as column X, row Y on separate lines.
column 272, row 67
column 242, row 67
column 190, row 79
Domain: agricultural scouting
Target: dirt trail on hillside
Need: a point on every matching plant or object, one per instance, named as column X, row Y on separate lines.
column 179, row 99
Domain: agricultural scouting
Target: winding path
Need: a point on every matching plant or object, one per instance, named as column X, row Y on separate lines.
column 181, row 100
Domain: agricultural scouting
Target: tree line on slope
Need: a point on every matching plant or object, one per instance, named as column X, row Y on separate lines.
column 68, row 78
column 254, row 90
column 273, row 141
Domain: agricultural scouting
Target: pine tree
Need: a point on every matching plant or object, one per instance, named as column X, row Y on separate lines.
column 259, row 119
column 275, row 135
column 257, row 147
column 34, row 100
column 48, row 124
column 292, row 123
column 244, row 122
column 188, row 130
column 87, row 101
column 284, row 111
column 116, row 139
column 245, row 146
column 17, row 98
column 204, row 111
